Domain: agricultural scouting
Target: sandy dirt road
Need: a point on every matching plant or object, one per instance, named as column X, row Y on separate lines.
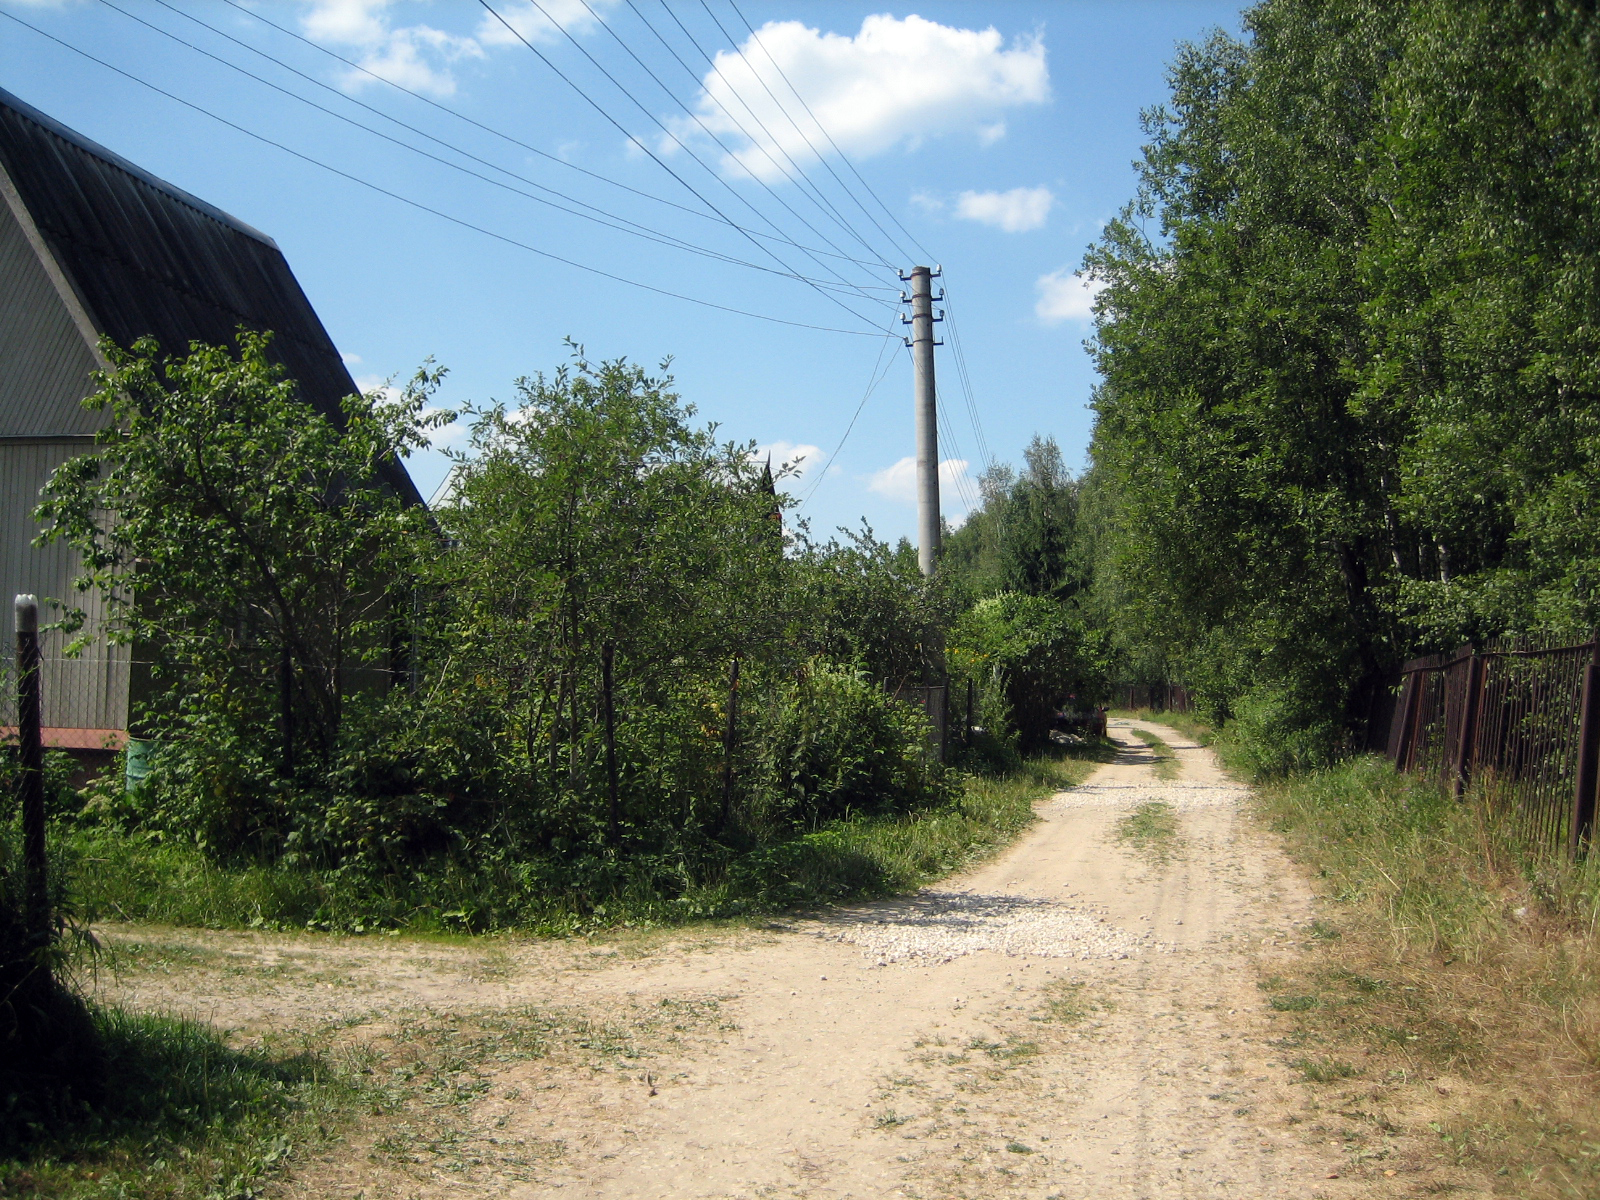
column 1080, row 1017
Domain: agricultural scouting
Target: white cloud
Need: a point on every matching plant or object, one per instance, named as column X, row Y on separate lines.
column 896, row 83
column 1065, row 296
column 899, row 482
column 523, row 16
column 420, row 57
column 1016, row 211
column 802, row 456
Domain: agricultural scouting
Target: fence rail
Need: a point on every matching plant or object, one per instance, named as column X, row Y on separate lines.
column 1522, row 722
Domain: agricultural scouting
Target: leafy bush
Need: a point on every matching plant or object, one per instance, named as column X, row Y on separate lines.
column 831, row 745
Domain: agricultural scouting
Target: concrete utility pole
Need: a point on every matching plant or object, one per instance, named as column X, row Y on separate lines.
column 922, row 344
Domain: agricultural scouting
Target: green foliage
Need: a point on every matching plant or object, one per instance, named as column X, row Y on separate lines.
column 248, row 547
column 1348, row 357
column 832, row 745
column 1033, row 655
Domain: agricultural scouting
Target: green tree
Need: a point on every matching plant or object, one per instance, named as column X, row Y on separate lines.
column 246, row 544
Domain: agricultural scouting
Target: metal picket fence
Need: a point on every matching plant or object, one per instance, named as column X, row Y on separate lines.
column 1519, row 721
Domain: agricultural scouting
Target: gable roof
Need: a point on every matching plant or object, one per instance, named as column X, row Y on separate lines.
column 148, row 259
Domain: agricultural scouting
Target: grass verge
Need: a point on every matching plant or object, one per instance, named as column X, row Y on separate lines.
column 187, row 1114
column 182, row 1114
column 120, row 877
column 1454, row 988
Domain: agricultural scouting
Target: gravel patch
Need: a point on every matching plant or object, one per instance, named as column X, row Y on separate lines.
column 1131, row 795
column 945, row 925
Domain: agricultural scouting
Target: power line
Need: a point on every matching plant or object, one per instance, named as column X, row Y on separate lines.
column 799, row 177
column 489, row 129
column 638, row 142
column 607, row 219
column 823, row 129
column 454, row 220
column 616, row 37
column 874, row 380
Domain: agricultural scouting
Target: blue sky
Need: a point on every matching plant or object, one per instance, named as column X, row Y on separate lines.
column 996, row 136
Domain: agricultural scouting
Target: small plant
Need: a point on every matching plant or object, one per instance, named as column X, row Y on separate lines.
column 1166, row 762
column 1151, row 830
column 1324, row 1070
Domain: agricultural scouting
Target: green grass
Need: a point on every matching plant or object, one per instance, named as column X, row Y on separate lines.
column 181, row 1115
column 120, row 877
column 1191, row 726
column 1165, row 760
column 1447, row 949
column 1151, row 830
column 185, row 1115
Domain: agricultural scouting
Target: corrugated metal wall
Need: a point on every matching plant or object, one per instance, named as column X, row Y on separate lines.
column 44, row 364
column 44, row 374
column 89, row 692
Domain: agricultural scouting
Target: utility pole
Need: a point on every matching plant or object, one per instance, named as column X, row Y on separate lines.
column 921, row 342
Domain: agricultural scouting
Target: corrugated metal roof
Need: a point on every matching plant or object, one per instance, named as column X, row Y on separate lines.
column 148, row 259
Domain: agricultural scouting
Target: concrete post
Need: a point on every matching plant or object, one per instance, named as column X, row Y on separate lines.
column 922, row 343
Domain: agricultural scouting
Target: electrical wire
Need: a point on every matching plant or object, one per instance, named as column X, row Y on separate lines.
column 874, row 379
column 609, row 220
column 823, row 129
column 799, row 177
column 454, row 220
column 656, row 158
column 695, row 117
column 489, row 129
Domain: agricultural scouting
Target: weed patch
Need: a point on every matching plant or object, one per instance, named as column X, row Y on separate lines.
column 1166, row 762
column 1151, row 831
column 1456, row 965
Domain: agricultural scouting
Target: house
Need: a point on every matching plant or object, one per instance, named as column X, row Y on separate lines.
column 92, row 246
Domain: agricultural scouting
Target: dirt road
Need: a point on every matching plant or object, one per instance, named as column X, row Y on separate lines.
column 1078, row 1018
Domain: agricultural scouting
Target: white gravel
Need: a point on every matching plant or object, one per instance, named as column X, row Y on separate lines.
column 942, row 925
column 945, row 925
column 1125, row 795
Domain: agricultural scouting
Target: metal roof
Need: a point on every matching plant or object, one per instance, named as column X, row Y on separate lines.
column 149, row 259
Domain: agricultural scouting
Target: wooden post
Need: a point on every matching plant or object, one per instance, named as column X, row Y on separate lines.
column 614, row 815
column 1581, row 835
column 968, row 739
column 1470, row 704
column 30, row 748
column 730, row 738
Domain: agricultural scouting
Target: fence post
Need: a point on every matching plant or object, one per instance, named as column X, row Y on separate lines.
column 1588, row 773
column 1408, row 719
column 30, row 786
column 1469, row 723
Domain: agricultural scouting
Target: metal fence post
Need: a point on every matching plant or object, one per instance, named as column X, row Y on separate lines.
column 30, row 748
column 1408, row 719
column 1469, row 723
column 1581, row 832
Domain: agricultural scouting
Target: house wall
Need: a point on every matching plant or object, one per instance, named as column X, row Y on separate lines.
column 44, row 374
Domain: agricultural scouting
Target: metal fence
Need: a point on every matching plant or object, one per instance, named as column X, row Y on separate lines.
column 1163, row 697
column 84, row 701
column 1519, row 721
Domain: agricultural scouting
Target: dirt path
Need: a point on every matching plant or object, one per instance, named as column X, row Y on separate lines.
column 1078, row 1018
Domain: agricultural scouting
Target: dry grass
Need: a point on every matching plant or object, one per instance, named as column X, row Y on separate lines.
column 1454, row 984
